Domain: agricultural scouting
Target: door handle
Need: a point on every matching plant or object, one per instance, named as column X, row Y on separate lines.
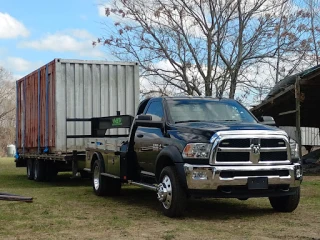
column 140, row 135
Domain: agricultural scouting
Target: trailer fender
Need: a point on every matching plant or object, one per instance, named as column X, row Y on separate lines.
column 171, row 156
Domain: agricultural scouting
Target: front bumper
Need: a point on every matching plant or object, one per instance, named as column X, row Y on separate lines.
column 207, row 177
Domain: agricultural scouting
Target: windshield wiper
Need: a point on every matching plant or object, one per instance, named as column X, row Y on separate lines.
column 228, row 120
column 185, row 121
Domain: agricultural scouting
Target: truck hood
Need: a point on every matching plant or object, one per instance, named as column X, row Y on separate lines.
column 203, row 131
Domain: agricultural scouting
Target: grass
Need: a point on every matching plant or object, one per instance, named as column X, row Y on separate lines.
column 68, row 209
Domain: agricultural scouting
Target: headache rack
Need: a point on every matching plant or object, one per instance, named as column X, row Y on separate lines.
column 99, row 125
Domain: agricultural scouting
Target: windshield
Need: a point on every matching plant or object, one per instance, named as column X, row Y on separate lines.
column 204, row 110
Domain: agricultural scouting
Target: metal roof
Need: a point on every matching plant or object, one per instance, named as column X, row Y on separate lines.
column 281, row 100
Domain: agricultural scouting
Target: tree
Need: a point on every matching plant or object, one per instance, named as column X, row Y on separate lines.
column 213, row 48
column 297, row 39
column 195, row 47
column 312, row 10
column 7, row 107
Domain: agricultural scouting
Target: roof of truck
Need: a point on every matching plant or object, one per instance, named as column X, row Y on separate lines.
column 196, row 97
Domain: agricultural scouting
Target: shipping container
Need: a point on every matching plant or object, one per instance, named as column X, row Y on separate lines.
column 65, row 89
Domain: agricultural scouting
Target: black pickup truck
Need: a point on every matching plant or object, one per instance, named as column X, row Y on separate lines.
column 182, row 147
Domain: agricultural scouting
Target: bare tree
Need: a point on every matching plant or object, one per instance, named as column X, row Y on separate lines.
column 7, row 107
column 195, row 47
column 313, row 7
column 296, row 35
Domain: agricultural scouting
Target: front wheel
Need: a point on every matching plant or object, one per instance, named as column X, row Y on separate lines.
column 286, row 203
column 170, row 193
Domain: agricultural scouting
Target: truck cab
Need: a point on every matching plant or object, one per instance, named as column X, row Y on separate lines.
column 182, row 147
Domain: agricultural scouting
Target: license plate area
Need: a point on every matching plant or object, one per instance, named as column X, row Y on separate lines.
column 257, row 183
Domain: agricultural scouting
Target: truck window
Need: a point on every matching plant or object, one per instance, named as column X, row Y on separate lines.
column 208, row 111
column 155, row 109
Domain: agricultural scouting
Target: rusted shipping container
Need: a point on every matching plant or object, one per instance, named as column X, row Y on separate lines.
column 71, row 89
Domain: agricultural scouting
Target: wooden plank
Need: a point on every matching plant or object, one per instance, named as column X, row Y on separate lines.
column 287, row 112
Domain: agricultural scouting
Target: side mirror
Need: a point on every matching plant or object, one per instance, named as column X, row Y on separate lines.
column 267, row 120
column 146, row 121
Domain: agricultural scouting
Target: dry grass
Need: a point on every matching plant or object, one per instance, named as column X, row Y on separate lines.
column 68, row 209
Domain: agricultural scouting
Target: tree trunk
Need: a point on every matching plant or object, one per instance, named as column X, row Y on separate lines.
column 208, row 89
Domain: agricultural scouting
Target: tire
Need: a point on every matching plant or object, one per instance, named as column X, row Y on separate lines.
column 30, row 169
column 39, row 170
column 102, row 185
column 175, row 203
column 286, row 203
column 51, row 171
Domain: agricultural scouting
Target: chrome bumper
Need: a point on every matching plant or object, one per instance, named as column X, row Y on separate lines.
column 208, row 177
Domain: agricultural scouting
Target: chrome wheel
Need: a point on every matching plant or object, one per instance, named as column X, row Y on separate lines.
column 165, row 192
column 96, row 177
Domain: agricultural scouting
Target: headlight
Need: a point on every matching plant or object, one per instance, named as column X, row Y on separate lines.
column 197, row 150
column 294, row 148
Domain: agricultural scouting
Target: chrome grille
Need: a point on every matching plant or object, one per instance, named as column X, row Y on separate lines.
column 235, row 143
column 272, row 143
column 233, row 156
column 273, row 156
column 250, row 149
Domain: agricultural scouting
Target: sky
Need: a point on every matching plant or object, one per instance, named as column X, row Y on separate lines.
column 34, row 32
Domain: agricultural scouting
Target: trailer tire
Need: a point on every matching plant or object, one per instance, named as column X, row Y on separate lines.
column 286, row 203
column 30, row 168
column 39, row 170
column 51, row 171
column 173, row 197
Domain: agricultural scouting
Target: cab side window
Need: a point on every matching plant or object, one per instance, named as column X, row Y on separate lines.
column 155, row 109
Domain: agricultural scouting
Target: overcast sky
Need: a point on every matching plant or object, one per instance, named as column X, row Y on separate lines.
column 35, row 32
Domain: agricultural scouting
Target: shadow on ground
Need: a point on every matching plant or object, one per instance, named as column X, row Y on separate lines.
column 132, row 196
column 62, row 180
column 197, row 208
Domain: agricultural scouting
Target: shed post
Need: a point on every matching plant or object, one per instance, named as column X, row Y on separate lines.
column 298, row 115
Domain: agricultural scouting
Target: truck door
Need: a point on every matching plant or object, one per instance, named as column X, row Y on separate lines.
column 148, row 140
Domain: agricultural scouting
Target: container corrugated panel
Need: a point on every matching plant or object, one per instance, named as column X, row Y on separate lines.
column 75, row 89
column 309, row 136
column 36, row 110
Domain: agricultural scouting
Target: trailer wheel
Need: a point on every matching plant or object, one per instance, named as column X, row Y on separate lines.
column 172, row 196
column 51, row 171
column 102, row 185
column 286, row 203
column 30, row 168
column 39, row 170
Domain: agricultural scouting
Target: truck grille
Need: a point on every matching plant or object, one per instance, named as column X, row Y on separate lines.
column 232, row 174
column 272, row 143
column 273, row 156
column 253, row 150
column 235, row 143
column 233, row 156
